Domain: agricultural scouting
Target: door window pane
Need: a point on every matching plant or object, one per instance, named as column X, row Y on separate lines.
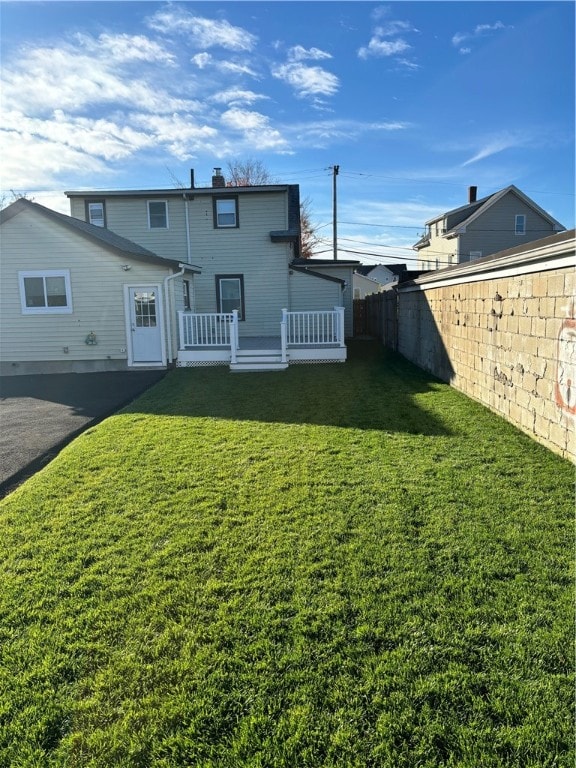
column 145, row 309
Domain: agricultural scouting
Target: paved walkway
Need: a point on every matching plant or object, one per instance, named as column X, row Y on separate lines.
column 40, row 414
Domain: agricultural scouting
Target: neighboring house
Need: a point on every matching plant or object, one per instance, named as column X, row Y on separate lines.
column 77, row 297
column 502, row 220
column 373, row 278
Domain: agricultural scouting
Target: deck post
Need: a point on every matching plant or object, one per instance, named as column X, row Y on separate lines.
column 234, row 336
column 340, row 319
column 181, row 336
column 284, row 335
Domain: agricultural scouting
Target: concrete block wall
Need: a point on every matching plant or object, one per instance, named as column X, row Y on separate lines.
column 506, row 341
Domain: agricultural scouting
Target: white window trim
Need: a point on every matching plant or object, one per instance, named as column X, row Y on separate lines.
column 234, row 202
column 165, row 202
column 101, row 221
column 65, row 273
column 521, row 216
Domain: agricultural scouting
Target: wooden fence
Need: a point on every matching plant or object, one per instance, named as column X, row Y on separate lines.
column 377, row 315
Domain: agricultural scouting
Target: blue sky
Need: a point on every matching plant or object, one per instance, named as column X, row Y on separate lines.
column 415, row 101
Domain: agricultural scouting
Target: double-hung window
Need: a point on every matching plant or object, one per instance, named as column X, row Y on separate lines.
column 230, row 294
column 225, row 212
column 45, row 292
column 96, row 212
column 157, row 214
column 520, row 224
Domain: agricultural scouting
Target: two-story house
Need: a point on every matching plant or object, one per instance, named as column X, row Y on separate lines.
column 481, row 227
column 192, row 276
column 245, row 244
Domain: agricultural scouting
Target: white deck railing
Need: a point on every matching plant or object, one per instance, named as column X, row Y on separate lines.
column 314, row 328
column 211, row 329
column 297, row 329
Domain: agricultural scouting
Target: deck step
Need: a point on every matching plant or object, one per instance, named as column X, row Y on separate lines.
column 258, row 365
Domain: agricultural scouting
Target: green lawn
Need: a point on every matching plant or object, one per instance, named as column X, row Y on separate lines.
column 340, row 565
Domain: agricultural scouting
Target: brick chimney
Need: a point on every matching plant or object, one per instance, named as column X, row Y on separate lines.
column 217, row 179
column 472, row 194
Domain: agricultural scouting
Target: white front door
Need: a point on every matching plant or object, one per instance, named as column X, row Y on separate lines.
column 145, row 325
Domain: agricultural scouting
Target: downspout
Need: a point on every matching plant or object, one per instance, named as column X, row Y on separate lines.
column 188, row 254
column 168, row 313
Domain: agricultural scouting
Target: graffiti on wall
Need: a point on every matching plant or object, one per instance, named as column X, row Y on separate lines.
column 565, row 387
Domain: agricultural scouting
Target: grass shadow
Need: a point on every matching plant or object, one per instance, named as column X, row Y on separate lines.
column 374, row 390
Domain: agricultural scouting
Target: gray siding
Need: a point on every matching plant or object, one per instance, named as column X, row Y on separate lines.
column 312, row 294
column 494, row 230
column 129, row 217
column 346, row 300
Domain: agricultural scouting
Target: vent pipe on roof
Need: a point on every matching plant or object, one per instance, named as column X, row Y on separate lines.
column 191, row 178
column 217, row 179
column 472, row 193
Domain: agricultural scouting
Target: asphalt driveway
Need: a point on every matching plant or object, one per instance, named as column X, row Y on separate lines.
column 40, row 414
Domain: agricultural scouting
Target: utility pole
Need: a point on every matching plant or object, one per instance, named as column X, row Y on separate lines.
column 335, row 170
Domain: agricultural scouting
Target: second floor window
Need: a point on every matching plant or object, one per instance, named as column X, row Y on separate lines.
column 96, row 212
column 225, row 212
column 520, row 224
column 157, row 214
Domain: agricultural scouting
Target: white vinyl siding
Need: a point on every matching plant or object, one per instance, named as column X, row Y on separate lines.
column 45, row 292
column 96, row 281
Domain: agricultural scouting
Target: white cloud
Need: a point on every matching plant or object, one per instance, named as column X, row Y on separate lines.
column 201, row 32
column 256, row 129
column 307, row 81
column 380, row 47
column 393, row 28
column 493, row 147
column 299, row 53
column 125, row 48
column 97, row 137
column 465, row 51
column 205, row 60
column 479, row 31
column 235, row 96
column 202, row 60
column 179, row 134
column 322, row 133
column 377, row 47
column 74, row 80
column 30, row 162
